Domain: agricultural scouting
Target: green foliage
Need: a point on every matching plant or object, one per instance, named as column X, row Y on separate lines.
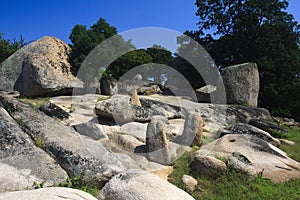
column 102, row 99
column 293, row 151
column 19, row 121
column 8, row 47
column 35, row 102
column 181, row 167
column 78, row 183
column 38, row 142
column 160, row 55
column 85, row 40
column 38, row 185
column 256, row 31
column 128, row 61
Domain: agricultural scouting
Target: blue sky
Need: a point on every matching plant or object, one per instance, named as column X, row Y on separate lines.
column 37, row 18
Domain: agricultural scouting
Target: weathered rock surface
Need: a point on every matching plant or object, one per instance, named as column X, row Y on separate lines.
column 204, row 93
column 287, row 142
column 135, row 129
column 127, row 86
column 192, row 132
column 250, row 130
column 135, row 99
column 214, row 115
column 125, row 142
column 79, row 107
column 109, row 86
column 189, row 183
column 241, row 84
column 75, row 153
column 208, row 166
column 53, row 193
column 40, row 68
column 253, row 156
column 267, row 126
column 156, row 142
column 120, row 109
column 92, row 130
column 53, row 110
column 137, row 185
column 21, row 162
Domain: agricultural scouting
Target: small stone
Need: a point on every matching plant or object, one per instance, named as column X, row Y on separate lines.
column 135, row 99
column 189, row 182
column 208, row 166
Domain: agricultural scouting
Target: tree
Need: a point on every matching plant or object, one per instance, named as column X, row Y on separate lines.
column 85, row 40
column 160, row 55
column 255, row 31
column 128, row 61
column 7, row 47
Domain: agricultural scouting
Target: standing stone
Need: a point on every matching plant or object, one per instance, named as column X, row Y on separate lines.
column 204, row 93
column 156, row 142
column 135, row 99
column 192, row 132
column 108, row 86
column 39, row 68
column 242, row 84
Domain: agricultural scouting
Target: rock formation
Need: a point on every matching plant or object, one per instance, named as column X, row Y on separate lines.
column 19, row 170
column 40, row 68
column 192, row 132
column 157, row 148
column 241, row 84
column 253, row 156
column 136, row 185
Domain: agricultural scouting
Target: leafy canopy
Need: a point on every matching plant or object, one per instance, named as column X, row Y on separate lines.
column 238, row 31
column 8, row 47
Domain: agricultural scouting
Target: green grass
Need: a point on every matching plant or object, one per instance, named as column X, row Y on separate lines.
column 38, row 142
column 102, row 99
column 233, row 185
column 35, row 102
column 78, row 183
column 293, row 151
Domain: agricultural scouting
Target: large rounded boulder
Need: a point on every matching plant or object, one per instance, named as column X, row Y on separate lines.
column 40, row 68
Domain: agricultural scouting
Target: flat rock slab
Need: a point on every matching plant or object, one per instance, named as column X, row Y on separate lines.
column 21, row 162
column 75, row 153
column 241, row 128
column 253, row 156
column 135, row 129
column 80, row 107
column 137, row 185
column 55, row 193
column 172, row 107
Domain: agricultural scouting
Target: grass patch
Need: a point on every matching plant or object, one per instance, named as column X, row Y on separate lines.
column 102, row 99
column 78, row 183
column 38, row 142
column 292, row 151
column 19, row 121
column 234, row 185
column 35, row 102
